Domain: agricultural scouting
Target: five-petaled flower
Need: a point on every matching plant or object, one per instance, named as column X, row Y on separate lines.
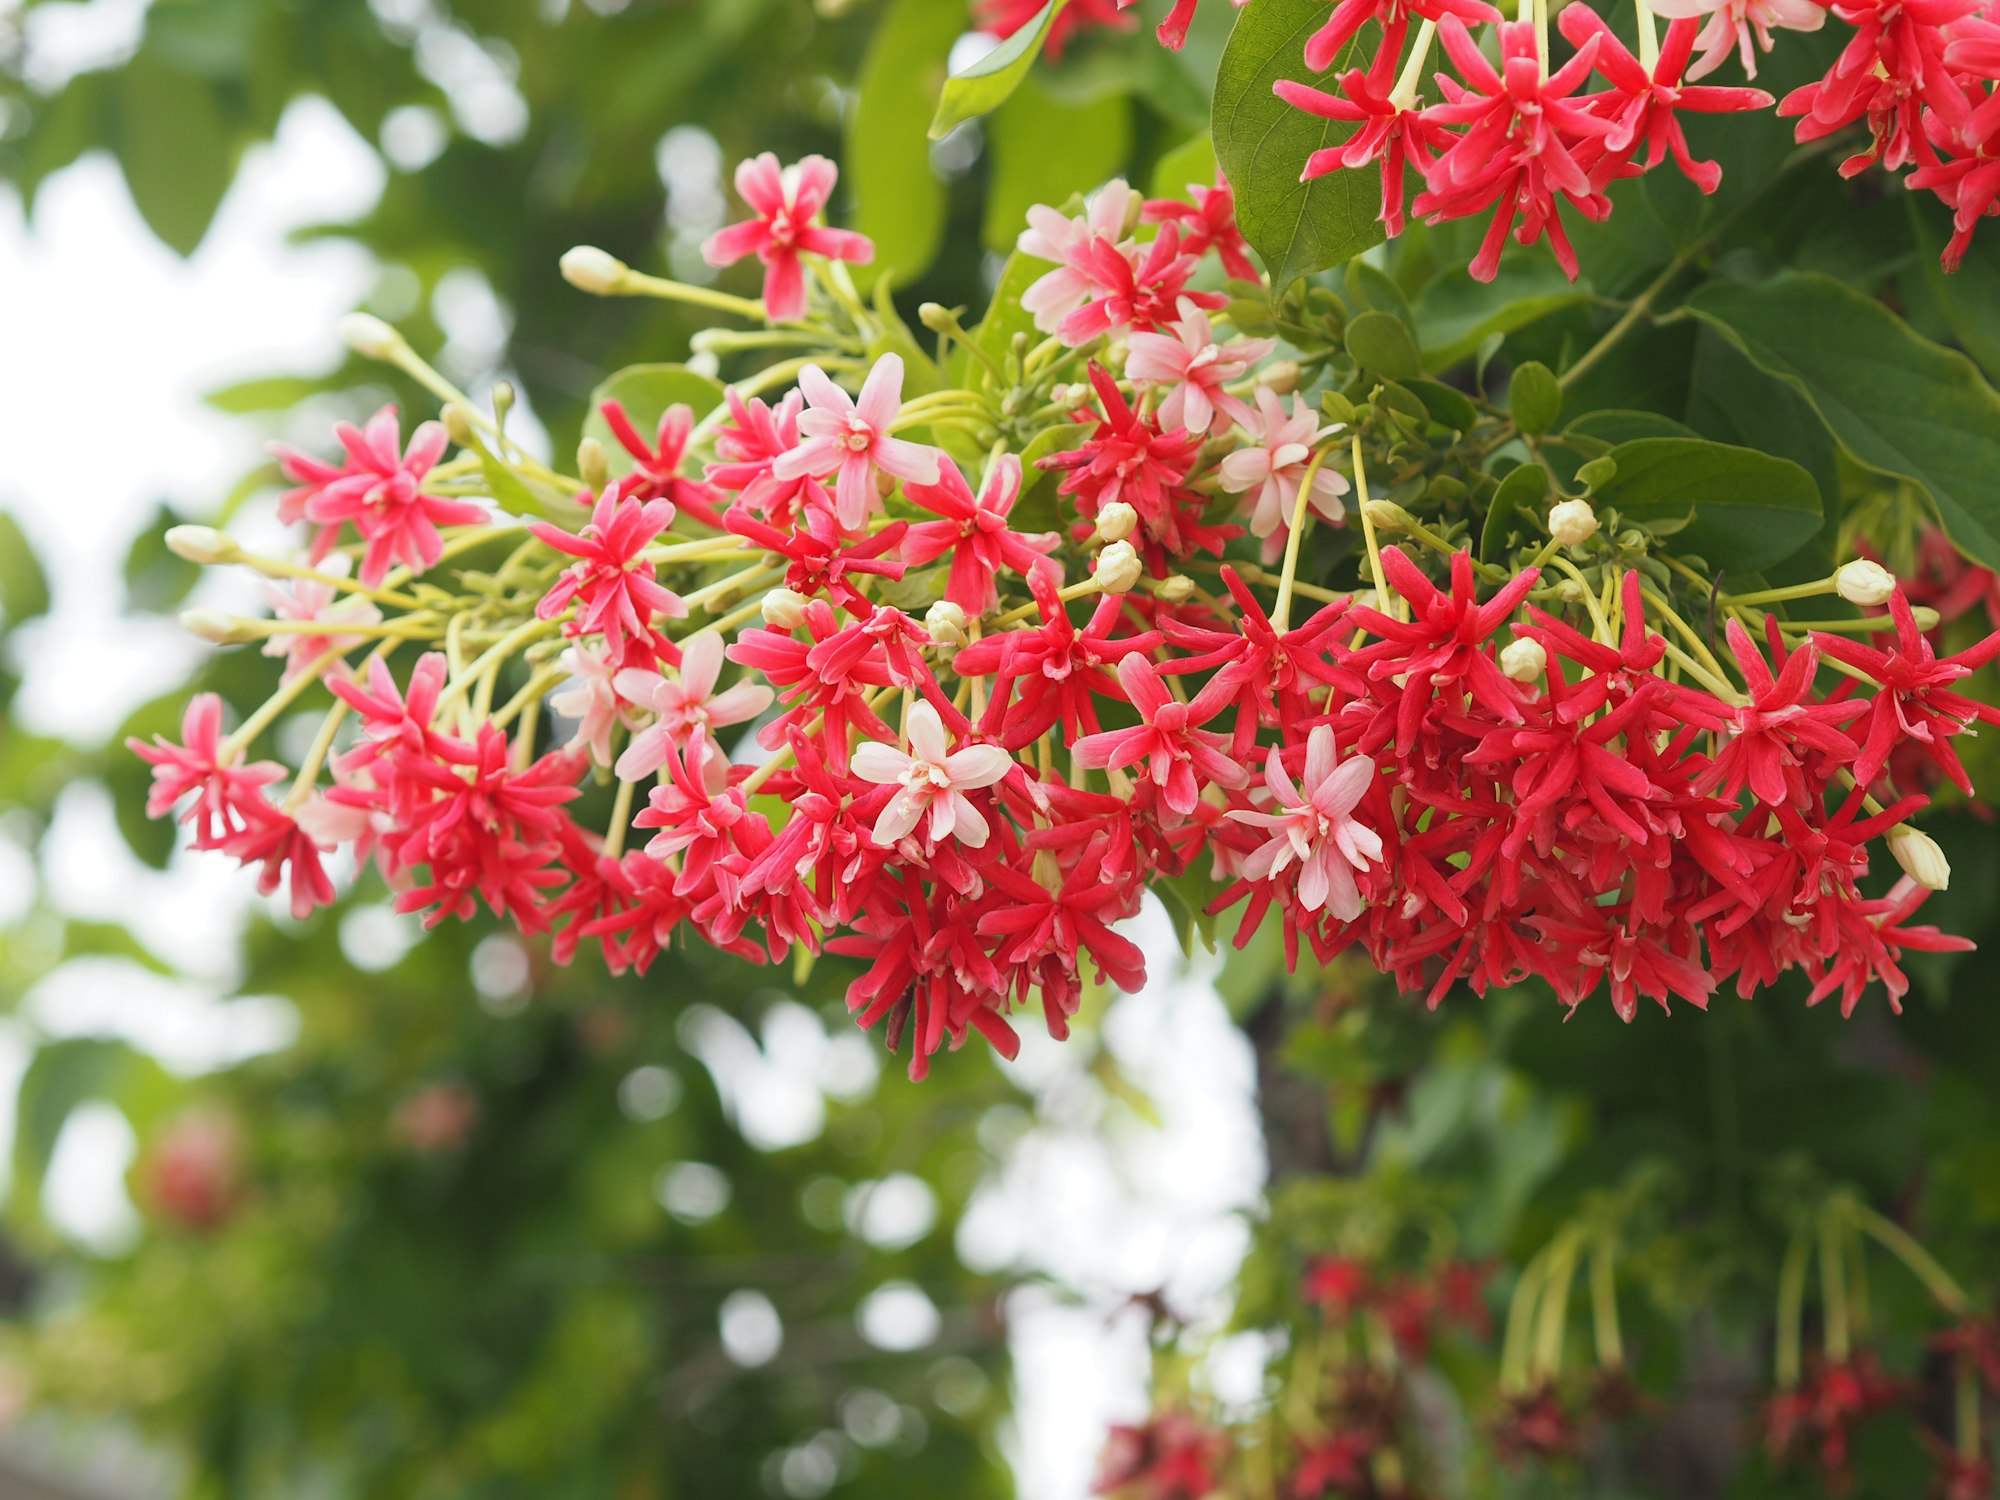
column 787, row 202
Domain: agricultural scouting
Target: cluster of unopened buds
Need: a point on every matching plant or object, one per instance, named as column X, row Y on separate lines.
column 1514, row 137
column 851, row 702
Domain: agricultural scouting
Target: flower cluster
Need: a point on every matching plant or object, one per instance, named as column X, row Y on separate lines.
column 1519, row 140
column 1365, row 1335
column 945, row 682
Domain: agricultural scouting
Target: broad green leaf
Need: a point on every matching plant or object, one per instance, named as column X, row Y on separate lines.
column 1446, row 404
column 1004, row 315
column 1892, row 400
column 985, row 84
column 1190, row 164
column 1044, row 150
column 156, row 579
column 1969, row 297
column 1454, row 314
column 24, row 588
column 1732, row 401
column 1263, row 144
column 1516, row 505
column 1601, row 431
column 1534, row 398
column 1373, row 290
column 646, row 391
column 1381, row 344
column 271, row 393
column 174, row 145
column 899, row 203
column 61, row 1076
column 1748, row 509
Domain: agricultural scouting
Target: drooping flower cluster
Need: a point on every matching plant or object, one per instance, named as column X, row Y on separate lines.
column 1519, row 141
column 945, row 682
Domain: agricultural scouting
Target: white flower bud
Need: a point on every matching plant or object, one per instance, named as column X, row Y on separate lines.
column 1119, row 568
column 201, row 544
column 1919, row 855
column 220, row 629
column 1116, row 522
column 593, row 466
column 1281, row 375
column 1573, row 522
column 1864, row 582
column 590, row 269
column 1175, row 588
column 946, row 622
column 370, row 337
column 784, row 608
column 1524, row 660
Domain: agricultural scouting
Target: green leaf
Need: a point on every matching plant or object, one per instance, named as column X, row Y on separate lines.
column 155, row 579
column 1045, row 150
column 1604, row 430
column 1969, row 297
column 1534, row 398
column 1372, row 290
column 271, row 393
column 1893, row 400
column 61, row 1076
column 1447, row 405
column 174, row 146
column 899, row 203
column 1005, row 317
column 1263, row 143
column 1454, row 315
column 985, row 85
column 1381, row 343
column 24, row 588
column 1190, row 164
column 1518, row 500
column 646, row 391
column 1749, row 509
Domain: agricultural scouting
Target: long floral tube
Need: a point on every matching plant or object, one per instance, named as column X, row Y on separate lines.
column 854, row 701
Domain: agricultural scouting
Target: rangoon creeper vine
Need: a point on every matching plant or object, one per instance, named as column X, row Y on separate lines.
column 944, row 681
column 1518, row 140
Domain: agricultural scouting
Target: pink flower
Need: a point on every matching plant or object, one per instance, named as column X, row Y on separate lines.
column 786, row 201
column 1733, row 25
column 589, row 699
column 1066, row 241
column 1197, row 369
column 611, row 583
column 380, row 490
column 756, row 435
column 850, row 439
column 1131, row 289
column 1317, row 830
column 1207, row 219
column 684, row 703
column 932, row 782
column 975, row 532
column 308, row 600
column 229, row 798
column 656, row 466
column 1177, row 753
column 1275, row 463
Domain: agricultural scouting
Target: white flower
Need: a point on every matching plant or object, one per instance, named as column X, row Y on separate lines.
column 589, row 698
column 1318, row 829
column 1119, row 568
column 1524, row 660
column 1275, row 462
column 1572, row 522
column 1919, row 855
column 1863, row 582
column 933, row 780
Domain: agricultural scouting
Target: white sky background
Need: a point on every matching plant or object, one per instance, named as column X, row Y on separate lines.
column 107, row 342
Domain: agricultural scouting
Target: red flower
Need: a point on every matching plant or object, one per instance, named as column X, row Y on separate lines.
column 1335, row 1284
column 379, row 489
column 228, row 797
column 1392, row 134
column 786, row 202
column 1780, row 732
column 1643, row 105
column 1127, row 458
column 1005, row 17
column 1140, row 291
column 1177, row 753
column 1207, row 222
column 611, row 583
column 656, row 469
column 1815, row 1420
column 975, row 532
column 1172, row 1457
column 1518, row 149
